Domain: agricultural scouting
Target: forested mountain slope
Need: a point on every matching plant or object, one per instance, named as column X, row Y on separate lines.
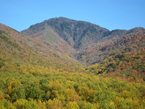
column 80, row 36
column 37, row 74
column 18, row 48
column 98, row 53
column 73, row 32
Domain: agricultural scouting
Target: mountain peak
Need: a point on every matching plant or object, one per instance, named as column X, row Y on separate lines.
column 72, row 31
column 78, row 34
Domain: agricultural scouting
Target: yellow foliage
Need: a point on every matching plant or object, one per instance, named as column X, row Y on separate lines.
column 41, row 105
column 72, row 105
column 19, row 104
column 95, row 106
column 14, row 83
column 125, row 94
column 73, row 96
column 54, row 104
column 54, row 92
column 9, row 89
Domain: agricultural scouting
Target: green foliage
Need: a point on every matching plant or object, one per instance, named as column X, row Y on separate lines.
column 17, row 93
column 4, row 104
column 31, row 105
column 33, row 91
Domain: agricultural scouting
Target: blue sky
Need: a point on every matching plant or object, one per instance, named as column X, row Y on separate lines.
column 111, row 14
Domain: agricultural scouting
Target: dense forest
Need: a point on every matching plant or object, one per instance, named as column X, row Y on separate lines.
column 34, row 75
column 30, row 86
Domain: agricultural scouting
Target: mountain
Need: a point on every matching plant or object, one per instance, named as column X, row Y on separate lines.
column 75, row 33
column 38, row 71
column 78, row 37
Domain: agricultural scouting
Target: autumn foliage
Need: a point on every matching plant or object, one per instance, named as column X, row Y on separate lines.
column 30, row 79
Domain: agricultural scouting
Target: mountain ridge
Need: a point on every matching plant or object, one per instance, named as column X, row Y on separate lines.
column 77, row 36
column 78, row 33
column 68, row 29
column 34, row 50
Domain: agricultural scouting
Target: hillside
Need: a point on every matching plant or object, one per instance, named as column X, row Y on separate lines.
column 97, row 53
column 16, row 47
column 128, row 66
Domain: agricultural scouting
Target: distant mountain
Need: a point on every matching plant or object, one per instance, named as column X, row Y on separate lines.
column 77, row 36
